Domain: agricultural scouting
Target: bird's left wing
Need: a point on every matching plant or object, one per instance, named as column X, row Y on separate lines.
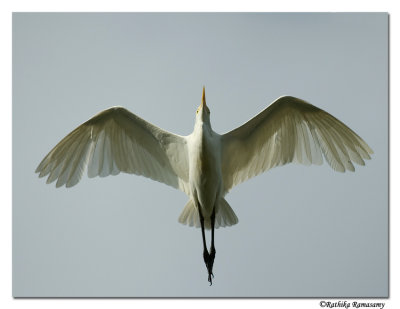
column 114, row 141
column 289, row 130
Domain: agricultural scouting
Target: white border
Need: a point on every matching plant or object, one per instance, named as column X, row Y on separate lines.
column 6, row 9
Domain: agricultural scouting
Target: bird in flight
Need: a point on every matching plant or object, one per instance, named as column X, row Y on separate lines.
column 205, row 165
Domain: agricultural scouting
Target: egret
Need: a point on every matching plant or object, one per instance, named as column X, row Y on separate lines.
column 205, row 165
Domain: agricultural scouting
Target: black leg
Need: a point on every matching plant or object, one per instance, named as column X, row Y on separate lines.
column 212, row 249
column 206, row 255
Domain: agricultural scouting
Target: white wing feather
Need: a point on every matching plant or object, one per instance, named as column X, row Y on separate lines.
column 114, row 141
column 289, row 130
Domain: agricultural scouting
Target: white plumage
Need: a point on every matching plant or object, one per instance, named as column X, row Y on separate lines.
column 114, row 141
column 204, row 165
column 289, row 130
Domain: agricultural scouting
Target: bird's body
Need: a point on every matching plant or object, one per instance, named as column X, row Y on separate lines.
column 204, row 164
column 205, row 168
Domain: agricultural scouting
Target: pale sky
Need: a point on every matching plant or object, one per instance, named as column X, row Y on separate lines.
column 302, row 232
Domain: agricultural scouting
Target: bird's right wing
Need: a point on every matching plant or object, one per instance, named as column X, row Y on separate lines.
column 114, row 141
column 289, row 130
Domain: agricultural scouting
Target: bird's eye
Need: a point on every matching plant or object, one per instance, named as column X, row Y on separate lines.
column 197, row 111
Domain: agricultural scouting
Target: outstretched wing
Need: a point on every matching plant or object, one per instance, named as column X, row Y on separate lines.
column 289, row 130
column 114, row 141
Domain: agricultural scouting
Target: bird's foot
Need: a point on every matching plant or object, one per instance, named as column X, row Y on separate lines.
column 210, row 264
column 210, row 276
column 209, row 261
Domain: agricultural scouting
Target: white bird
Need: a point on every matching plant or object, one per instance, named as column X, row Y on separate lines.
column 205, row 165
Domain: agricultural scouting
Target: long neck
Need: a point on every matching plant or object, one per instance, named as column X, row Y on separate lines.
column 203, row 128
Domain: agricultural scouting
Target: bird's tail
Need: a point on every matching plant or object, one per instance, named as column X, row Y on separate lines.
column 225, row 215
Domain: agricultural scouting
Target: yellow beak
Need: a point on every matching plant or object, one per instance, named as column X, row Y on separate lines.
column 203, row 98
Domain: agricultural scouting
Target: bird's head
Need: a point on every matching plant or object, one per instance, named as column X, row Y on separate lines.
column 203, row 112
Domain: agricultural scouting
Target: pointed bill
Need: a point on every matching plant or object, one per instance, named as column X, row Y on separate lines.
column 203, row 98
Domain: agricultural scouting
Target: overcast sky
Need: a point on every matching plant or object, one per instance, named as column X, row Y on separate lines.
column 303, row 231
